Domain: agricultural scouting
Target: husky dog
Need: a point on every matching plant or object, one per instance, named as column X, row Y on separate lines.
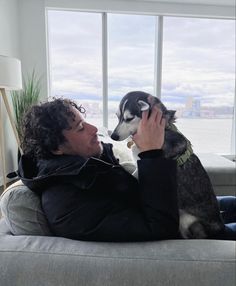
column 198, row 208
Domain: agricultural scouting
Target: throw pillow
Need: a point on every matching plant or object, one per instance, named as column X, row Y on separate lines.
column 22, row 211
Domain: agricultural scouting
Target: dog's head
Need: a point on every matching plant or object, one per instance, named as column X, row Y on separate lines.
column 130, row 113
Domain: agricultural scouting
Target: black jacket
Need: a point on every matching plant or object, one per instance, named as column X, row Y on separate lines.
column 96, row 199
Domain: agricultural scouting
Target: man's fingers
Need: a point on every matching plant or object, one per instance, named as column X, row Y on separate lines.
column 145, row 114
column 158, row 115
column 163, row 122
column 154, row 113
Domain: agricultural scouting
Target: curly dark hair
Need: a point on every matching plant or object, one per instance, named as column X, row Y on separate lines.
column 43, row 125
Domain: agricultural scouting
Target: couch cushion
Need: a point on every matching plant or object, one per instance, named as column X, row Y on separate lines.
column 22, row 211
column 51, row 261
column 4, row 229
column 221, row 170
column 222, row 173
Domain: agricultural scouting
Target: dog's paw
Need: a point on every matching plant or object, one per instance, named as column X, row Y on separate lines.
column 135, row 173
column 190, row 227
column 197, row 230
column 129, row 166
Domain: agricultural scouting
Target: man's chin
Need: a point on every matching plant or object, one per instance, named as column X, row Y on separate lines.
column 100, row 151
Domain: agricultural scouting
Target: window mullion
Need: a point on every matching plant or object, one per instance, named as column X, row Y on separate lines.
column 104, row 70
column 233, row 135
column 158, row 56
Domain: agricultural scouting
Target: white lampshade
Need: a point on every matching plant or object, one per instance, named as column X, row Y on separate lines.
column 10, row 73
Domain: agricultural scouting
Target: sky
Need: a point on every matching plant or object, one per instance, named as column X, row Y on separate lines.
column 198, row 57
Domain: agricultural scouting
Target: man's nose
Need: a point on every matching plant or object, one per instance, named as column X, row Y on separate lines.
column 92, row 128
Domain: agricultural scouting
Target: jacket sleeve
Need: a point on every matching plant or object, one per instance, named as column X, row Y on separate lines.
column 158, row 192
column 98, row 216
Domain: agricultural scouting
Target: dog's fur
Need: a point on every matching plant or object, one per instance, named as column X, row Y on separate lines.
column 198, row 208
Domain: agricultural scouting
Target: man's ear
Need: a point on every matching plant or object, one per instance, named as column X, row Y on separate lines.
column 57, row 152
column 143, row 105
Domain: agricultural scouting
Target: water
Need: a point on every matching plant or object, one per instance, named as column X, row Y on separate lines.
column 206, row 135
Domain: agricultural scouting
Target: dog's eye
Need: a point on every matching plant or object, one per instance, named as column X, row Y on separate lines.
column 129, row 119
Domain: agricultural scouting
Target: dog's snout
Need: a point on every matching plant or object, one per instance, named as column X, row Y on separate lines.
column 115, row 136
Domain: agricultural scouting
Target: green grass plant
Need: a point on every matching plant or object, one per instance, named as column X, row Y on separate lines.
column 23, row 99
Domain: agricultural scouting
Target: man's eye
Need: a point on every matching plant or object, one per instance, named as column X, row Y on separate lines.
column 80, row 126
column 129, row 119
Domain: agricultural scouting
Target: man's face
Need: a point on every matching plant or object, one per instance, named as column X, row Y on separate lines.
column 81, row 139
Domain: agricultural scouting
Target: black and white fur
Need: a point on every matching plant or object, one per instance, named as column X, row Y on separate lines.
column 198, row 208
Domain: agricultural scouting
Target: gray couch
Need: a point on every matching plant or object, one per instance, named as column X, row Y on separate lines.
column 41, row 259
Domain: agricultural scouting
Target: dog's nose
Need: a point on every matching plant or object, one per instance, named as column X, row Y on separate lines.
column 114, row 136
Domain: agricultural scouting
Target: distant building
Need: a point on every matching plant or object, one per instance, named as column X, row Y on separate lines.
column 207, row 113
column 192, row 107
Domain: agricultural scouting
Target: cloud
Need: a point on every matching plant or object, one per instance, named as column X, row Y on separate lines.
column 198, row 56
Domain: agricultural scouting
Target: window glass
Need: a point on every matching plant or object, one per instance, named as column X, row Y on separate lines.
column 76, row 59
column 131, row 40
column 198, row 79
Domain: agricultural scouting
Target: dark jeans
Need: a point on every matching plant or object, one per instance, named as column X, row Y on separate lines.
column 228, row 210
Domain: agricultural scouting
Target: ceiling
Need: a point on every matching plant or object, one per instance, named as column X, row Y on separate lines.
column 202, row 2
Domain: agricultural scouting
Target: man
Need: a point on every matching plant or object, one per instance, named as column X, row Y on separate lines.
column 85, row 193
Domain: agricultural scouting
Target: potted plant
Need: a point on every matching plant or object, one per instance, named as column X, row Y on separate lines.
column 23, row 99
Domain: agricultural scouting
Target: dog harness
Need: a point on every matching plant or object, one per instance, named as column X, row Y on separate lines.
column 181, row 159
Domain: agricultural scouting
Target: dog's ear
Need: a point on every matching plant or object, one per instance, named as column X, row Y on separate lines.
column 143, row 105
column 170, row 116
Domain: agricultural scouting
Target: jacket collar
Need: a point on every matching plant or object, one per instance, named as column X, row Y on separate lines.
column 39, row 174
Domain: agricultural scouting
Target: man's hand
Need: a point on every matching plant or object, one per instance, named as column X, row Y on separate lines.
column 151, row 131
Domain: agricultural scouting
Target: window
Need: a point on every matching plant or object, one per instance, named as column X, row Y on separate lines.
column 198, row 68
column 199, row 78
column 75, row 59
column 131, row 41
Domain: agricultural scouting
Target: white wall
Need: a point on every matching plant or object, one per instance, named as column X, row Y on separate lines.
column 33, row 39
column 9, row 24
column 9, row 46
column 22, row 35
